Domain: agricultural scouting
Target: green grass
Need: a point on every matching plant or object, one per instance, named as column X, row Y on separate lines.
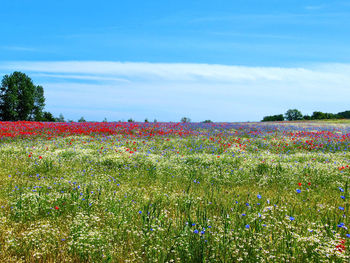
column 157, row 205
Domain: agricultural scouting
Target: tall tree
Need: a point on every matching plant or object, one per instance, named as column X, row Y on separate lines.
column 39, row 103
column 293, row 115
column 20, row 99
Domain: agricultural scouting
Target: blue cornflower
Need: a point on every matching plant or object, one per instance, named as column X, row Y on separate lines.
column 341, row 225
column 140, row 212
column 341, row 189
column 195, row 231
column 291, row 218
column 348, row 235
column 243, row 214
column 202, row 232
column 258, row 196
column 193, row 224
column 209, row 226
column 298, row 191
column 342, row 197
column 247, row 226
column 341, row 208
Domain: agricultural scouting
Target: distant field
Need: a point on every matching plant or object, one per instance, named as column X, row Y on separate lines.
column 170, row 192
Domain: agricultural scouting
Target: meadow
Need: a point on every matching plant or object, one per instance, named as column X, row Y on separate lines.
column 174, row 192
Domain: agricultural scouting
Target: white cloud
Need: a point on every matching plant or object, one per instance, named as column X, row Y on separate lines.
column 200, row 91
column 182, row 71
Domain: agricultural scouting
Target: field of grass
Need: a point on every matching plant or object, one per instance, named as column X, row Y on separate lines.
column 167, row 192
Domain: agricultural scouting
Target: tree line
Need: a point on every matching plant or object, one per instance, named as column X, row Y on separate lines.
column 295, row 115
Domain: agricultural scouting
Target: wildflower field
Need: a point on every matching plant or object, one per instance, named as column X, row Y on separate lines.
column 173, row 192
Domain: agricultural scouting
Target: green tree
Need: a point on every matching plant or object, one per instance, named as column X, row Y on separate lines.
column 39, row 104
column 82, row 119
column 60, row 118
column 20, row 99
column 185, row 119
column 318, row 115
column 47, row 116
column 306, row 117
column 278, row 117
column 293, row 115
column 344, row 114
column 207, row 121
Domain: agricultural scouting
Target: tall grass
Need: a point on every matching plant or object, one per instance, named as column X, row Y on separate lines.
column 174, row 199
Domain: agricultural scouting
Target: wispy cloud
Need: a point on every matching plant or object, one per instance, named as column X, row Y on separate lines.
column 315, row 7
column 168, row 91
column 179, row 71
column 19, row 48
column 80, row 77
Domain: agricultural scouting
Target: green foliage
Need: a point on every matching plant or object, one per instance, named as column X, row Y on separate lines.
column 344, row 114
column 82, row 119
column 47, row 116
column 131, row 120
column 60, row 118
column 318, row 115
column 293, row 115
column 207, row 121
column 278, row 117
column 306, row 117
column 20, row 99
column 185, row 119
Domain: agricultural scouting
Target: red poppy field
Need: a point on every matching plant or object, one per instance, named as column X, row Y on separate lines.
column 174, row 192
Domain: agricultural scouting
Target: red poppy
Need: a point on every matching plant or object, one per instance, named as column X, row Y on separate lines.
column 56, row 207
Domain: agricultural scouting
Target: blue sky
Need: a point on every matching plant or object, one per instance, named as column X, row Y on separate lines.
column 219, row 60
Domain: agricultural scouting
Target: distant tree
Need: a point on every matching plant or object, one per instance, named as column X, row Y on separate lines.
column 278, row 117
column 293, row 115
column 344, row 114
column 20, row 99
column 82, row 119
column 47, row 116
column 146, row 120
column 105, row 120
column 185, row 120
column 318, row 115
column 155, row 120
column 306, row 117
column 60, row 118
column 130, row 120
column 207, row 121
